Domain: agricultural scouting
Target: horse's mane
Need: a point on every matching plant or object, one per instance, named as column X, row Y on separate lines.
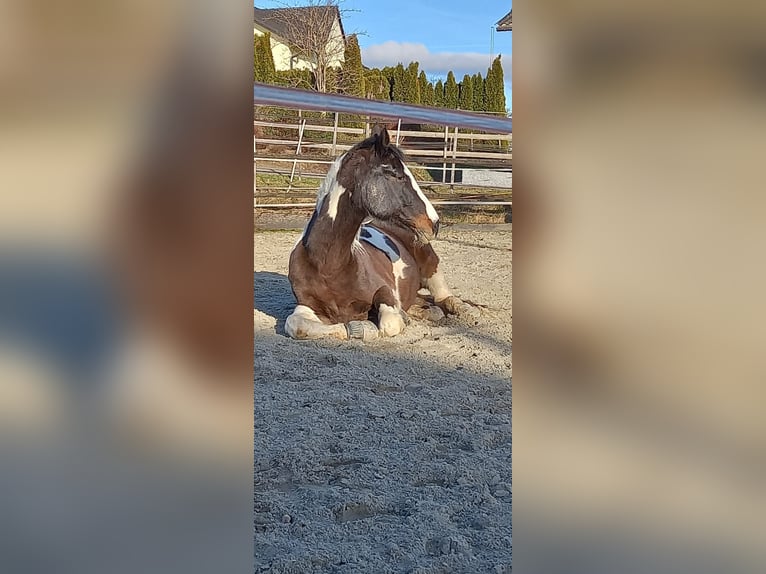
column 393, row 149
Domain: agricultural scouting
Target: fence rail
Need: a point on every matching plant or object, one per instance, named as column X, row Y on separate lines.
column 361, row 131
column 265, row 95
column 442, row 153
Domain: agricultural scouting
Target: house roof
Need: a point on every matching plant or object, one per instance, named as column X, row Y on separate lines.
column 274, row 20
column 505, row 24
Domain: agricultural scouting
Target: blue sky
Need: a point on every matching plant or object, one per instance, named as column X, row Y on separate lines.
column 440, row 34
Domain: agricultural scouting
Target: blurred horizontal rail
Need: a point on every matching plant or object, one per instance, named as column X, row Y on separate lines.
column 265, row 95
column 403, row 133
column 435, row 202
column 408, row 152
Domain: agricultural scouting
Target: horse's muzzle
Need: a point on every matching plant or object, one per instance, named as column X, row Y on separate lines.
column 424, row 228
column 431, row 231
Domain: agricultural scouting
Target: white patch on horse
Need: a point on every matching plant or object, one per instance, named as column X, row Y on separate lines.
column 380, row 241
column 332, row 189
column 303, row 323
column 329, row 180
column 390, row 321
column 399, row 267
column 432, row 215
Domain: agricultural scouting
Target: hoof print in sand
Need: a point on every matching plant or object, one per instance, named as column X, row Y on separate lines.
column 352, row 511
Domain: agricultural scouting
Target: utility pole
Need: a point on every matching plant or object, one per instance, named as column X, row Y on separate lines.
column 491, row 44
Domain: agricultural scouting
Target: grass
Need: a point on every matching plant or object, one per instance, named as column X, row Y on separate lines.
column 277, row 180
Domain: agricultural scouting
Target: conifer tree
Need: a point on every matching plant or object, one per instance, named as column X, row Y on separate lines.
column 263, row 59
column 398, row 93
column 451, row 92
column 388, row 74
column 352, row 74
column 439, row 94
column 478, row 93
column 466, row 93
column 376, row 85
column 423, row 86
column 428, row 96
column 494, row 87
column 411, row 84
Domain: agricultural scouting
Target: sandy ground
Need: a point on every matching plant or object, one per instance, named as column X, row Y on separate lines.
column 390, row 456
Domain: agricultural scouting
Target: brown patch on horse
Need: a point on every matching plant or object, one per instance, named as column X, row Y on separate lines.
column 424, row 224
column 384, row 296
column 426, row 259
column 327, row 294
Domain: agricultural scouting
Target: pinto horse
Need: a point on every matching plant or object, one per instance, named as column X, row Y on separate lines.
column 365, row 252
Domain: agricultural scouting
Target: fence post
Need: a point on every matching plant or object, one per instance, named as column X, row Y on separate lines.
column 444, row 164
column 297, row 153
column 335, row 135
column 454, row 156
column 398, row 129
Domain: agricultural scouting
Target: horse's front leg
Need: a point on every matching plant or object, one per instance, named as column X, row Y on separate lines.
column 303, row 323
column 391, row 320
column 433, row 279
column 444, row 297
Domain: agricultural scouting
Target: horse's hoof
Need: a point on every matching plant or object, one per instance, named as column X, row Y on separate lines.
column 391, row 324
column 364, row 330
column 433, row 314
column 430, row 313
column 456, row 306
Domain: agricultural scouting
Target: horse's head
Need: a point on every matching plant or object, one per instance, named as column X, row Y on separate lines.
column 385, row 188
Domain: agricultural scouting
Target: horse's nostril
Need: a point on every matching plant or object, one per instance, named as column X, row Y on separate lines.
column 436, row 228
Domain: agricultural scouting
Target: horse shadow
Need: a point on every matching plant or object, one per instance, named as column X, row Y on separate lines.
column 273, row 296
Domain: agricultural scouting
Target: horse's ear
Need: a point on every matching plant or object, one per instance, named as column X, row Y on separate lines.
column 382, row 139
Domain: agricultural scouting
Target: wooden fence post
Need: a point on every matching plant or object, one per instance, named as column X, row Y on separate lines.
column 444, row 164
column 335, row 135
column 398, row 129
column 454, row 156
column 297, row 153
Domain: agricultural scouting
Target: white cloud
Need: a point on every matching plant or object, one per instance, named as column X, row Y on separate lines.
column 436, row 63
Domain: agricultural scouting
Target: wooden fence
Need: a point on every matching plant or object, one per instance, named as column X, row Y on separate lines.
column 454, row 165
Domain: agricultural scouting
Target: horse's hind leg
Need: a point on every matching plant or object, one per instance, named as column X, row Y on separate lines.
column 303, row 323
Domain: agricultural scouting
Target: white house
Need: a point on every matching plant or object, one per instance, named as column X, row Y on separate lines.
column 290, row 28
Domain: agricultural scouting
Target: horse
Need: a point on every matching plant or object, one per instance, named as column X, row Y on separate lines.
column 365, row 253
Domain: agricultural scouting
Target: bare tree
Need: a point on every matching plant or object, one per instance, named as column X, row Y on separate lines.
column 315, row 34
